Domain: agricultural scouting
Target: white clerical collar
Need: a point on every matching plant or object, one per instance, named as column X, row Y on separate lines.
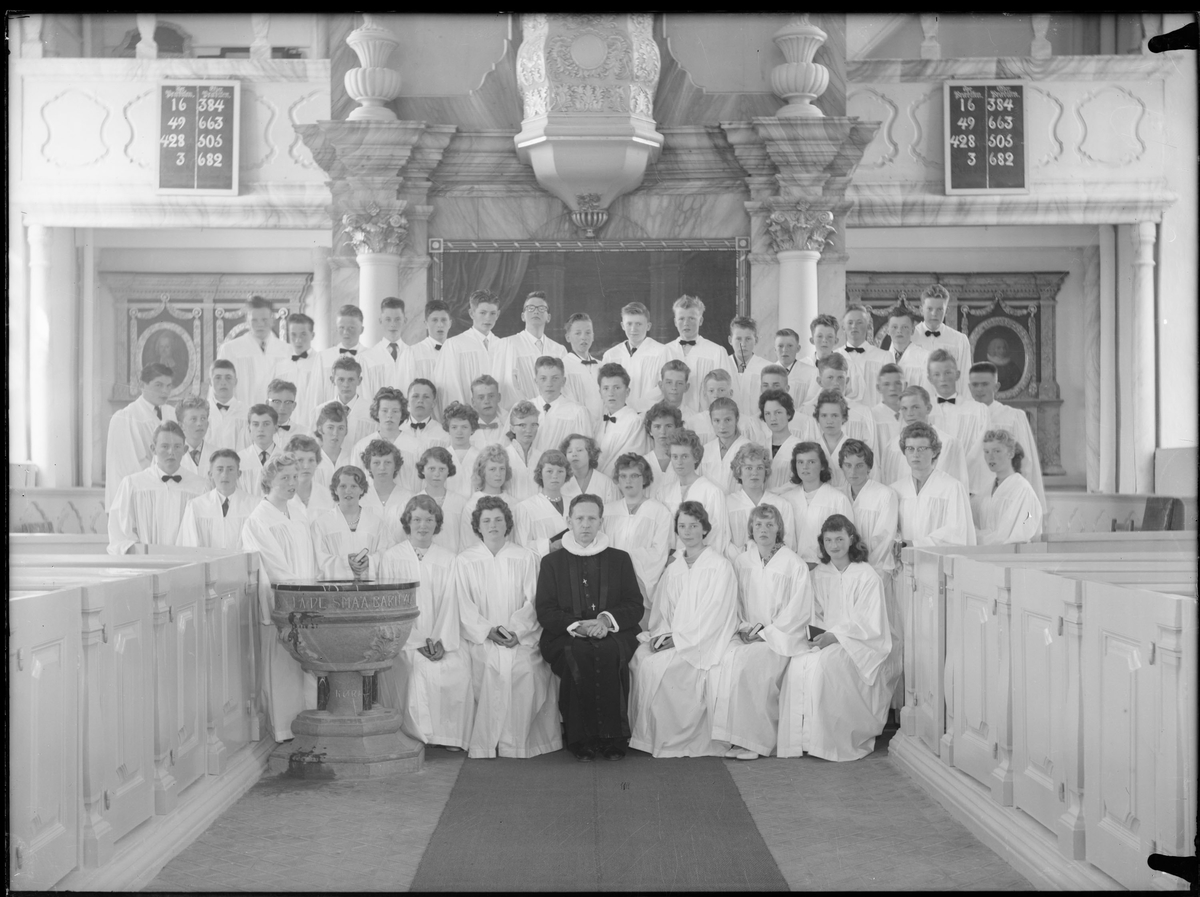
column 585, row 551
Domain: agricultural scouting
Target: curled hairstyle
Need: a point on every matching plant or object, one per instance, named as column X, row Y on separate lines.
column 776, row 395
column 1006, row 438
column 919, row 430
column 381, row 448
column 831, row 397
column 586, row 498
column 491, row 503
column 856, row 448
column 303, row 443
column 459, row 411
column 522, row 409
column 935, row 291
column 696, row 511
column 765, row 512
column 553, row 457
column 751, row 451
column 330, row 411
column 688, row 438
column 389, row 394
column 271, row 469
column 593, row 449
column 438, row 453
column 355, row 473
column 632, row 460
column 805, row 447
column 662, row 409
column 491, row 452
column 840, row 523
column 424, row 503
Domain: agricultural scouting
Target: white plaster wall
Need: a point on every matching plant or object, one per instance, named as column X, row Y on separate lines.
column 970, row 249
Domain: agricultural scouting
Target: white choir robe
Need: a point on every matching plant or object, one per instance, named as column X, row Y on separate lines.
column 864, row 371
column 512, row 365
column 952, row 341
column 486, row 434
column 333, row 540
column 701, row 358
column 839, row 478
column 466, row 534
column 358, row 419
column 834, row 700
column 966, row 420
column 147, row 511
column 380, row 370
column 754, row 429
column 320, row 501
column 673, row 691
column 891, row 465
column 305, row 375
column 285, row 550
column 780, row 477
column 810, row 511
column 738, row 506
column 522, row 485
column 230, row 428
column 537, row 522
column 352, row 452
column 464, row 469
column 412, row 444
column 461, row 359
column 644, row 367
column 700, row 423
column 877, row 519
column 940, row 514
column 712, row 497
column 563, row 419
column 326, row 358
column 254, row 365
column 779, row 596
column 130, row 432
column 422, row 360
column 664, row 477
column 860, row 425
column 450, row 537
column 251, row 467
column 437, row 698
column 598, row 484
column 325, row 471
column 388, row 511
column 914, row 363
column 802, row 381
column 1010, row 514
column 581, row 385
column 616, row 439
column 1015, row 421
column 716, row 467
column 645, row 536
column 203, row 462
column 803, row 426
column 887, row 426
column 516, row 693
column 204, row 526
column 747, row 385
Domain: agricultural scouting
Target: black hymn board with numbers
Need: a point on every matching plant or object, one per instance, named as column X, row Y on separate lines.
column 985, row 146
column 198, row 131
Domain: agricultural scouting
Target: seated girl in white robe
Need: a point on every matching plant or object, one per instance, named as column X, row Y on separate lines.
column 751, row 468
column 584, row 477
column 835, row 697
column 638, row 525
column 1010, row 512
column 934, row 506
column 690, row 485
column 774, row 605
column 435, row 467
column 812, row 497
column 661, row 421
column 430, row 682
column 541, row 520
column 524, row 424
column 516, row 709
column 350, row 538
column 285, row 551
column 676, row 669
column 215, row 519
column 492, row 476
column 382, row 460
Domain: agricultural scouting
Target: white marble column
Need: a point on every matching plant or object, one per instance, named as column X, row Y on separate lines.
column 378, row 236
column 321, row 310
column 1144, row 364
column 798, row 288
column 378, row 277
column 53, row 385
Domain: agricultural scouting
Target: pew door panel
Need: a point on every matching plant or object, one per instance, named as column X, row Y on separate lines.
column 928, row 627
column 229, row 679
column 1133, row 743
column 44, row 656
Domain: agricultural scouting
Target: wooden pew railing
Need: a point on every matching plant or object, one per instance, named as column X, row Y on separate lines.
column 1029, row 676
column 133, row 700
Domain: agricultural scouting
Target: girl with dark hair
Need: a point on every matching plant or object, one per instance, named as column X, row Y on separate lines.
column 349, row 539
column 812, row 498
column 835, row 697
column 661, row 422
column 638, row 524
column 434, row 469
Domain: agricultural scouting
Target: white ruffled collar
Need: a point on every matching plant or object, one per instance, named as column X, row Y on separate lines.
column 598, row 545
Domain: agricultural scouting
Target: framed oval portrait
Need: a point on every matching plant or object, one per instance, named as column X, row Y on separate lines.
column 165, row 342
column 1007, row 345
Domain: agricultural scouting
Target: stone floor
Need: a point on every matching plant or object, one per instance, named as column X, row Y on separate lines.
column 829, row 826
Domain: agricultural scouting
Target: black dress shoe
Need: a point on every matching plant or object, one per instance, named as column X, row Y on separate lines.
column 584, row 753
column 612, row 752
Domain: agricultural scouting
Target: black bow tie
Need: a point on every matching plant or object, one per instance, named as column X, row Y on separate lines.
column 934, row 333
column 177, row 478
column 687, row 342
column 942, row 401
column 588, row 361
column 546, row 407
column 609, row 419
column 298, row 357
column 222, row 407
column 347, row 351
column 860, row 349
column 417, row 426
column 284, row 427
column 437, row 347
column 494, row 425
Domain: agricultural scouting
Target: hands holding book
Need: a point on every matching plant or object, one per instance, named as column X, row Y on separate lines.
column 432, row 650
column 662, row 642
column 753, row 634
column 502, row 637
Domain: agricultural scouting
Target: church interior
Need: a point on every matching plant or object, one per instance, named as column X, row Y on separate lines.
column 778, row 167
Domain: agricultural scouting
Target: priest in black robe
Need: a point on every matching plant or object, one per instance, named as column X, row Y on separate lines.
column 589, row 605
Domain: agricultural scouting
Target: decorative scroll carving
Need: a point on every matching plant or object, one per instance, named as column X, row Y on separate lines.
column 376, row 229
column 890, row 149
column 800, row 229
column 1102, row 116
column 68, row 115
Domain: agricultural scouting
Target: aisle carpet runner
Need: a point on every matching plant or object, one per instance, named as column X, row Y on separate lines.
column 552, row 823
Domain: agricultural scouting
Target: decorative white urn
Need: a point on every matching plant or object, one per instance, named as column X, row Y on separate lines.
column 799, row 80
column 373, row 84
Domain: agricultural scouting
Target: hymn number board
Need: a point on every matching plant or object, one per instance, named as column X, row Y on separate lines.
column 986, row 150
column 198, row 137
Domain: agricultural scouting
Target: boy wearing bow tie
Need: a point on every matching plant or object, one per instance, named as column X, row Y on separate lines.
column 148, row 506
column 641, row 355
column 580, row 368
column 620, row 428
column 281, row 395
column 485, row 399
column 420, row 431
column 559, row 417
column 701, row 355
column 349, row 327
column 960, row 416
column 302, row 369
column 864, row 356
column 934, row 333
column 226, row 412
column 130, row 432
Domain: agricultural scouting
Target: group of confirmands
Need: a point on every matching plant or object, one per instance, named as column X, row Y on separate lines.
column 728, row 525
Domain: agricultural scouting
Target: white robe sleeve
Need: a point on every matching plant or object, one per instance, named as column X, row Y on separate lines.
column 127, row 452
column 122, row 521
column 704, row 621
column 273, row 560
column 1010, row 516
column 862, row 627
column 189, row 534
column 786, row 634
column 958, row 526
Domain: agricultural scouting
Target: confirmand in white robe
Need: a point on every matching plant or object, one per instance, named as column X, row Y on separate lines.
column 939, row 515
column 877, row 519
column 810, row 511
column 229, row 428
column 645, row 536
column 701, row 358
column 780, row 477
column 464, row 469
column 450, row 536
column 285, row 550
column 437, row 697
column 326, row 358
column 522, row 485
column 516, row 693
column 201, row 463
column 915, row 365
column 834, row 700
column 412, row 443
column 738, row 506
column 779, row 596
column 148, row 511
column 130, row 432
column 251, row 467
column 305, row 375
column 620, row 438
column 562, row 420
column 709, row 494
column 864, row 371
column 333, row 540
column 598, row 484
column 466, row 535
column 664, row 477
column 254, row 365
column 674, row 692
column 715, row 466
column 747, row 384
column 644, row 367
column 380, row 369
column 537, row 522
column 461, row 359
column 954, row 342
column 1010, row 514
column 512, row 365
column 1015, row 421
column 204, row 526
column 581, row 385
column 891, row 465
